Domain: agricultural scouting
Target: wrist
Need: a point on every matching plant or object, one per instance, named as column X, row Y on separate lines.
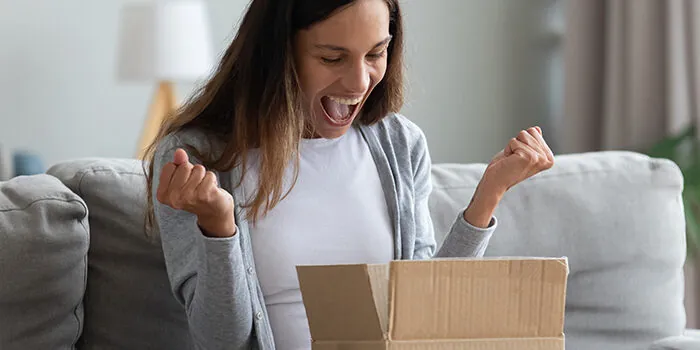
column 217, row 227
column 489, row 194
column 483, row 205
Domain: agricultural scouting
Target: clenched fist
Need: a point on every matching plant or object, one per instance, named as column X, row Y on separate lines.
column 188, row 187
column 525, row 156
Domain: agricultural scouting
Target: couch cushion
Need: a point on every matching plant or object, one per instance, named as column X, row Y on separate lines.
column 617, row 216
column 43, row 252
column 128, row 303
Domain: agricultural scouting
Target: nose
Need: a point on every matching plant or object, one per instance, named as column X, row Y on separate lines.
column 357, row 77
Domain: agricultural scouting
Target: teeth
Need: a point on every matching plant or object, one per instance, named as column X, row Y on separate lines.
column 346, row 101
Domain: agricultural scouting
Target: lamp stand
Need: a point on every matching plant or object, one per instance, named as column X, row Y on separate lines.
column 162, row 106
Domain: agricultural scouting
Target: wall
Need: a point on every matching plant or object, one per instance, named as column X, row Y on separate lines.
column 476, row 70
column 477, row 73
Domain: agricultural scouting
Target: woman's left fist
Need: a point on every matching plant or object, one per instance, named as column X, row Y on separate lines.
column 524, row 156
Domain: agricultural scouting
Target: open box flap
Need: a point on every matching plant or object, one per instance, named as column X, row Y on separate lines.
column 346, row 302
column 477, row 298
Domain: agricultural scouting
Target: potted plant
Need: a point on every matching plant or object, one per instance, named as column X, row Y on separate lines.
column 684, row 150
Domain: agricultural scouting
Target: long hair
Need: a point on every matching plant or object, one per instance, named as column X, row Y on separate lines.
column 253, row 99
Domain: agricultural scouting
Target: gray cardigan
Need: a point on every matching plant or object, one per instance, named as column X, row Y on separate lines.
column 215, row 278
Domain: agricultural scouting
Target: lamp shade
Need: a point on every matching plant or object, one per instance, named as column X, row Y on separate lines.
column 165, row 41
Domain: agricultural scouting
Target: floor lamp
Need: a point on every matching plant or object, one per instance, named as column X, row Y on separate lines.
column 163, row 42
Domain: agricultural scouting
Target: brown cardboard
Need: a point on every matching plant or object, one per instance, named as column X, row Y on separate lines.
column 484, row 344
column 475, row 304
column 330, row 291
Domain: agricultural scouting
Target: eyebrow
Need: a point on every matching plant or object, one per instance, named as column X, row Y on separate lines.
column 340, row 48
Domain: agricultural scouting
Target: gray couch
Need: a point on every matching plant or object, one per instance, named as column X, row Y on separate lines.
column 76, row 267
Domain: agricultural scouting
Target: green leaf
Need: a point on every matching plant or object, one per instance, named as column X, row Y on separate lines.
column 668, row 147
column 692, row 227
column 684, row 150
column 691, row 176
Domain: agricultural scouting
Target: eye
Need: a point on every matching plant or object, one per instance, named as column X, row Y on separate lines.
column 376, row 56
column 327, row 60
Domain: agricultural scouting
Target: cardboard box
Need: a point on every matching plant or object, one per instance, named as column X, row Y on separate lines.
column 441, row 304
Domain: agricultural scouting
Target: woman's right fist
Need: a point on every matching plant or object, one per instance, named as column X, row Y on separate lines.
column 192, row 188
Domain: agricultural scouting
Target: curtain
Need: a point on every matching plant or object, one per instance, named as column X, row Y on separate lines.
column 631, row 78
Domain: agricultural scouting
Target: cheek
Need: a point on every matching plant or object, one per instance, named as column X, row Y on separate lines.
column 313, row 77
column 377, row 74
column 305, row 76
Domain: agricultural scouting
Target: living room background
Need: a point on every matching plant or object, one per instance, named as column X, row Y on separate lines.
column 478, row 73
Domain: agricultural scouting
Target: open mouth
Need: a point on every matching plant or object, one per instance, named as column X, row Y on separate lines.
column 340, row 111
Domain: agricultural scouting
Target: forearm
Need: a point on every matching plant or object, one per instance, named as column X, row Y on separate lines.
column 465, row 239
column 208, row 277
column 473, row 228
column 483, row 205
column 219, row 311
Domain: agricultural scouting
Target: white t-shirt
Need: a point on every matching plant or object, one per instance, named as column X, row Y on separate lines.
column 335, row 214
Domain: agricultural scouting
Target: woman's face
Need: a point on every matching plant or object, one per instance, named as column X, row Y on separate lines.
column 340, row 61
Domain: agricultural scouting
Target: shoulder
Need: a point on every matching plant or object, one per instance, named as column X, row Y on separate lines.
column 399, row 127
column 399, row 134
column 192, row 138
column 196, row 138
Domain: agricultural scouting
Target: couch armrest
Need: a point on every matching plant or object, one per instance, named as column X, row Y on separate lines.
column 689, row 341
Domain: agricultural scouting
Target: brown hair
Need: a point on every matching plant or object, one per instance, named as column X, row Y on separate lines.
column 253, row 98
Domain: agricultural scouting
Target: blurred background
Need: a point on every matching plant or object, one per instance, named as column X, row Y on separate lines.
column 594, row 74
column 478, row 70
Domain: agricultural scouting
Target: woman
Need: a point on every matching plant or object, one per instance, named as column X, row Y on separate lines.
column 297, row 156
